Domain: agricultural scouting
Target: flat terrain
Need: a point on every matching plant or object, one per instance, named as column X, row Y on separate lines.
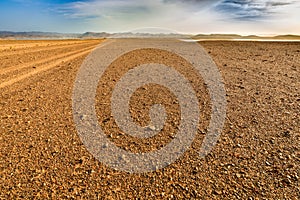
column 257, row 156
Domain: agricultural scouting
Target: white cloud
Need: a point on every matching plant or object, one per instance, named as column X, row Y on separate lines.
column 187, row 15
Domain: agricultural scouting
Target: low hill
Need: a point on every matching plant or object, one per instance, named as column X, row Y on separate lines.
column 240, row 37
column 94, row 35
column 36, row 35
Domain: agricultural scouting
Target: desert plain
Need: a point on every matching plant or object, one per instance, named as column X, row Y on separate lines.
column 257, row 155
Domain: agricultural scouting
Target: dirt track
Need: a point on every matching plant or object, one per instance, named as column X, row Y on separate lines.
column 257, row 155
column 20, row 61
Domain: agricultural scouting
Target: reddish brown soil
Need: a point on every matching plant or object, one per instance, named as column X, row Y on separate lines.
column 257, row 156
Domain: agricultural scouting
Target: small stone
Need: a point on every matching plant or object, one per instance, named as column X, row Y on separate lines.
column 152, row 128
column 24, row 109
column 286, row 134
column 219, row 192
column 105, row 145
column 83, row 117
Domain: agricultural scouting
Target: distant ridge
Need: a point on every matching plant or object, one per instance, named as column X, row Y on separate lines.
column 36, row 34
column 95, row 35
column 240, row 37
column 291, row 37
column 87, row 35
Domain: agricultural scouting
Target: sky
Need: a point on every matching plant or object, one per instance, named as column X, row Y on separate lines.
column 246, row 17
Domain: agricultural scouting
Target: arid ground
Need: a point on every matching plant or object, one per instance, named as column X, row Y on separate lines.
column 256, row 157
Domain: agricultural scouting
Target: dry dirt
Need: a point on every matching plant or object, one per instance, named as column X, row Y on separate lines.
column 257, row 156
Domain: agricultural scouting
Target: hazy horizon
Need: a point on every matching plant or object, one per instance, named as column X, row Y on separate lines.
column 132, row 32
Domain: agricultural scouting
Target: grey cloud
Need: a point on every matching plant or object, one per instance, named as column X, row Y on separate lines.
column 192, row 1
column 249, row 9
column 197, row 4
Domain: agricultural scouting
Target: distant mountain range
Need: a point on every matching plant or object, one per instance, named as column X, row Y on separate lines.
column 51, row 35
column 94, row 35
column 87, row 35
column 240, row 37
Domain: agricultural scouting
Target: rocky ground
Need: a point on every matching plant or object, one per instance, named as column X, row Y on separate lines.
column 257, row 156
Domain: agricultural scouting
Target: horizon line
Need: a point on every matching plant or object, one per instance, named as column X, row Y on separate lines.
column 153, row 33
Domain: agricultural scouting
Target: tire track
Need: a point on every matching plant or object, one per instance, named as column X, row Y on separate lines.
column 14, row 46
column 45, row 48
column 39, row 62
column 71, row 56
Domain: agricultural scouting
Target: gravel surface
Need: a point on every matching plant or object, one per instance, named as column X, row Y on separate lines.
column 256, row 157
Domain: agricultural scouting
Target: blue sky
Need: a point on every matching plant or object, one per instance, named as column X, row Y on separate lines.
column 189, row 16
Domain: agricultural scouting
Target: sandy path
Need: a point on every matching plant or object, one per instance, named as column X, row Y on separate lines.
column 9, row 75
column 56, row 61
column 257, row 156
column 13, row 45
column 38, row 62
column 38, row 48
column 24, row 57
